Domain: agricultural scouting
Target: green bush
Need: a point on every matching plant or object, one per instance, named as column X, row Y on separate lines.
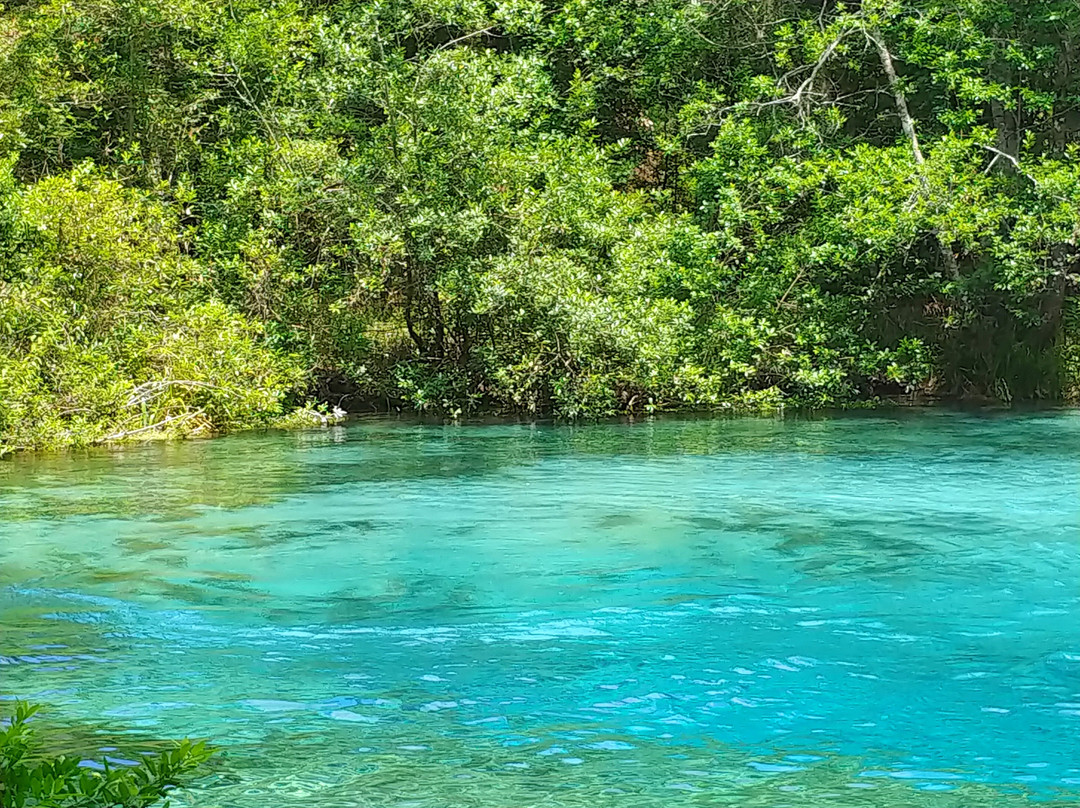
column 31, row 779
column 106, row 328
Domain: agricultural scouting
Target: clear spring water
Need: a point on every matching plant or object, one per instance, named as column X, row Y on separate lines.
column 868, row 611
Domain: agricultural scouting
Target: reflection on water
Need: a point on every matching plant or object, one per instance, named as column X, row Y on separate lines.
column 859, row 611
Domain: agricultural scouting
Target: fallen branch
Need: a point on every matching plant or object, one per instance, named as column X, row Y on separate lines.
column 128, row 433
column 149, row 390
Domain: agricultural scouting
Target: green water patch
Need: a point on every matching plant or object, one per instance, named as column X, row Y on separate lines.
column 365, row 767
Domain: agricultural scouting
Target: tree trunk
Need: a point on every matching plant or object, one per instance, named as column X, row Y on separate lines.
column 1062, row 103
column 1006, row 121
column 409, row 292
column 440, row 328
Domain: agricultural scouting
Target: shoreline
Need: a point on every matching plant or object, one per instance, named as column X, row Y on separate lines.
column 310, row 419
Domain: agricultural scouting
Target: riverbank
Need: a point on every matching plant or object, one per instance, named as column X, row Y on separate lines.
column 323, row 416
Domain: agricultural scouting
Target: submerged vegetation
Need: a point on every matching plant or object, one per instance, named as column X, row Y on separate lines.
column 212, row 214
column 30, row 778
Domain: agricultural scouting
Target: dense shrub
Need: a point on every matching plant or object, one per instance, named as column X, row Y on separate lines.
column 107, row 329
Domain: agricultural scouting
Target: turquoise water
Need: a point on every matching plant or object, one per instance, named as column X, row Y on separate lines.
column 872, row 611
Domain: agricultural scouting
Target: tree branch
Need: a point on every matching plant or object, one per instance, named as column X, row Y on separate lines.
column 907, row 123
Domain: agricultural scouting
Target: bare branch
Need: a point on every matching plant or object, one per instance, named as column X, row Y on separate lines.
column 998, row 154
column 907, row 123
column 456, row 41
column 797, row 96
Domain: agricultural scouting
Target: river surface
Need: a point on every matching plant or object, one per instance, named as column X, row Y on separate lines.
column 858, row 611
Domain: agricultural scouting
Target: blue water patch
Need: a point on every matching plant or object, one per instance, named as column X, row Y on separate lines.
column 849, row 611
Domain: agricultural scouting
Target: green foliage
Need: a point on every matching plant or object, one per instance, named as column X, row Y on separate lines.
column 29, row 779
column 106, row 332
column 211, row 214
